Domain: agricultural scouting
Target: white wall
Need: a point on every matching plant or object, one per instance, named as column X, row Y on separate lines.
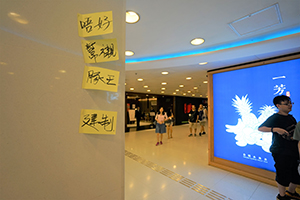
column 42, row 153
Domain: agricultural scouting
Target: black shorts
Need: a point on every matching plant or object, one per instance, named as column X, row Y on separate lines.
column 286, row 169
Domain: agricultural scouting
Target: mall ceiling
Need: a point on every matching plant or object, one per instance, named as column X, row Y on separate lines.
column 235, row 32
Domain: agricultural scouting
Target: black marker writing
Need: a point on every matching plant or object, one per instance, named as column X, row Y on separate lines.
column 103, row 23
column 87, row 25
column 94, row 77
column 108, row 51
column 91, row 121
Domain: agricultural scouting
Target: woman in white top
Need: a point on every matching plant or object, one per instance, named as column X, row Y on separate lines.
column 160, row 118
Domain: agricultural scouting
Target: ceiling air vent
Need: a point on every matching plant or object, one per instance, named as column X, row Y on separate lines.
column 256, row 21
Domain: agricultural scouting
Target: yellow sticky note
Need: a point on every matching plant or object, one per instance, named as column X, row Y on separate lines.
column 100, row 79
column 99, row 23
column 98, row 122
column 95, row 51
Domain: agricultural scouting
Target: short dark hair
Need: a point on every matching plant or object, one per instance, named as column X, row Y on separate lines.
column 281, row 98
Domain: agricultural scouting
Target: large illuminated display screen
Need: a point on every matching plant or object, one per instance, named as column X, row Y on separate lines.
column 242, row 100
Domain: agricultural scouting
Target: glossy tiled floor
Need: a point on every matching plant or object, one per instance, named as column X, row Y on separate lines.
column 178, row 170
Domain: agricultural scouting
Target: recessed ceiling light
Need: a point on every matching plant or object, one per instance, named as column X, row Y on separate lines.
column 145, row 86
column 164, row 73
column 162, row 91
column 188, row 78
column 189, row 91
column 197, row 41
column 177, row 90
column 129, row 53
column 195, row 88
column 184, row 93
column 131, row 88
column 181, row 85
column 193, row 95
column 3, row 63
column 205, row 81
column 174, row 92
column 125, row 83
column 132, row 17
column 164, row 83
column 140, row 79
column 200, row 95
column 203, row 63
column 148, row 90
column 163, row 88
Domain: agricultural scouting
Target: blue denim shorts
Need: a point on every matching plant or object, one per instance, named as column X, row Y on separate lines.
column 160, row 128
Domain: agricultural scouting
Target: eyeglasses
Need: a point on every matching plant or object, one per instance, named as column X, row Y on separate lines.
column 288, row 104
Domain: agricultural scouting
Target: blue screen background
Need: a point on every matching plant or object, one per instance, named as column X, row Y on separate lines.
column 258, row 84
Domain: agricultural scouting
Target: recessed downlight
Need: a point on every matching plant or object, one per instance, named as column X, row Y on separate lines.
column 162, row 92
column 181, row 85
column 184, row 94
column 205, row 81
column 177, row 90
column 164, row 83
column 131, row 88
column 195, row 88
column 148, row 90
column 163, row 88
column 129, row 53
column 164, row 73
column 203, row 63
column 132, row 17
column 188, row 78
column 140, row 79
column 197, row 41
column 145, row 86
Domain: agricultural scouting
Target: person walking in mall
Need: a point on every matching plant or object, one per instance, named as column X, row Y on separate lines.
column 160, row 129
column 193, row 118
column 284, row 148
column 202, row 118
column 169, row 122
column 138, row 117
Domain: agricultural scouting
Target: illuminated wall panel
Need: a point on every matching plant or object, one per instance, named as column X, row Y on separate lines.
column 241, row 99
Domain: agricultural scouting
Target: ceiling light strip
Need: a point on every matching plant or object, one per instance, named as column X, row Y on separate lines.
column 220, row 47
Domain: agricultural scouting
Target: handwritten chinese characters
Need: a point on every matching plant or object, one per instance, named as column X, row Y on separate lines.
column 95, row 24
column 98, row 50
column 100, row 79
column 95, row 51
column 98, row 122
